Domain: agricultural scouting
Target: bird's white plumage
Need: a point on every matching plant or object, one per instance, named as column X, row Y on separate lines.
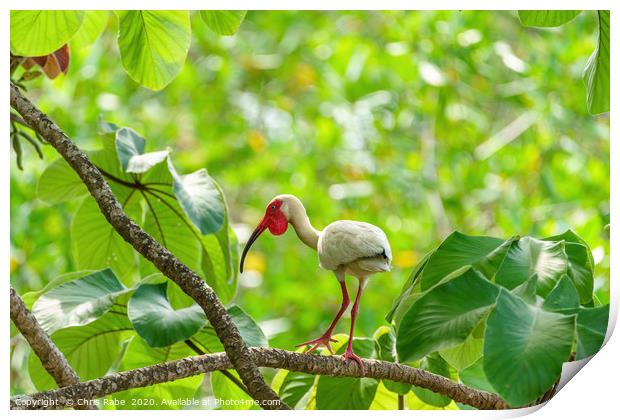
column 360, row 247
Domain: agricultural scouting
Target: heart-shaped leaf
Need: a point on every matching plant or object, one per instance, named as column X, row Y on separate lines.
column 524, row 360
column 445, row 315
column 153, row 44
column 40, row 32
column 59, row 183
column 223, row 22
column 157, row 322
column 78, row 302
column 94, row 23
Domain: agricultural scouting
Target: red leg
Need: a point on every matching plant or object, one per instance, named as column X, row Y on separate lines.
column 348, row 354
column 326, row 338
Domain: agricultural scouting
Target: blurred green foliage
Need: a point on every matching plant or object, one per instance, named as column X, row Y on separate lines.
column 418, row 122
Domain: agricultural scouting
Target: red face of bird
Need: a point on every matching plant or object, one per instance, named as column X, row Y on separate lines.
column 274, row 219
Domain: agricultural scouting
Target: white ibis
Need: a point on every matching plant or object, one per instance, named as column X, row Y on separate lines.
column 344, row 247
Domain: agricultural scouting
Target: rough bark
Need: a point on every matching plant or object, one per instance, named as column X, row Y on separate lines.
column 52, row 359
column 274, row 358
column 152, row 250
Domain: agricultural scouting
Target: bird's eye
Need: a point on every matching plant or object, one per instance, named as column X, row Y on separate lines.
column 273, row 207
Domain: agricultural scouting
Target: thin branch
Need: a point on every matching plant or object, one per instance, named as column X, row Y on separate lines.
column 153, row 251
column 274, row 358
column 51, row 358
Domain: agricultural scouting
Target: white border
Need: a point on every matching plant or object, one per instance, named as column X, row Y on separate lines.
column 591, row 394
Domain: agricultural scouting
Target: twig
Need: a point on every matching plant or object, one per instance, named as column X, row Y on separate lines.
column 274, row 358
column 51, row 358
column 153, row 251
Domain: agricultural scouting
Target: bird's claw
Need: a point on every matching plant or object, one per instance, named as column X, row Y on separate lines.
column 323, row 340
column 349, row 355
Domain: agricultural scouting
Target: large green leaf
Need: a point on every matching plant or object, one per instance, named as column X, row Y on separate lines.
column 456, row 251
column 78, row 302
column 339, row 393
column 435, row 364
column 167, row 395
column 465, row 354
column 223, row 22
column 90, row 349
column 30, row 297
column 153, row 44
column 130, row 149
column 547, row 18
column 524, row 348
column 596, row 74
column 59, row 183
column 157, row 322
column 445, row 315
column 95, row 243
column 591, row 330
column 94, row 23
column 531, row 256
column 201, row 199
column 41, row 32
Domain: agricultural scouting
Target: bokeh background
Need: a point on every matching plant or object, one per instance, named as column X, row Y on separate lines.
column 419, row 122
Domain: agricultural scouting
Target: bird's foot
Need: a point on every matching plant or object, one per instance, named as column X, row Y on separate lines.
column 323, row 340
column 349, row 355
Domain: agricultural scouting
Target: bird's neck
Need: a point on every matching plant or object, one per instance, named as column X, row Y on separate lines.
column 301, row 223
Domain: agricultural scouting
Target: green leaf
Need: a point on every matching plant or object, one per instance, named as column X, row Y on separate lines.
column 596, row 73
column 30, row 297
column 527, row 290
column 41, row 32
column 157, row 322
column 580, row 264
column 206, row 339
column 95, row 243
column 229, row 394
column 563, row 298
column 90, row 349
column 201, row 200
column 78, row 302
column 94, row 23
column 130, row 149
column 531, row 256
column 59, row 183
column 445, row 316
column 153, row 45
column 223, row 22
column 465, row 354
column 591, row 330
column 458, row 250
column 524, row 348
column 475, row 377
column 167, row 395
column 338, row 393
column 547, row 18
column 296, row 389
column 435, row 364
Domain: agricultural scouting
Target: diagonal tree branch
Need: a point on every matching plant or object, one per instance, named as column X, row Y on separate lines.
column 153, row 251
column 274, row 358
column 52, row 359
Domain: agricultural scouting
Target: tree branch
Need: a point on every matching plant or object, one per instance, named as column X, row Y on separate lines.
column 52, row 359
column 274, row 358
column 153, row 251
